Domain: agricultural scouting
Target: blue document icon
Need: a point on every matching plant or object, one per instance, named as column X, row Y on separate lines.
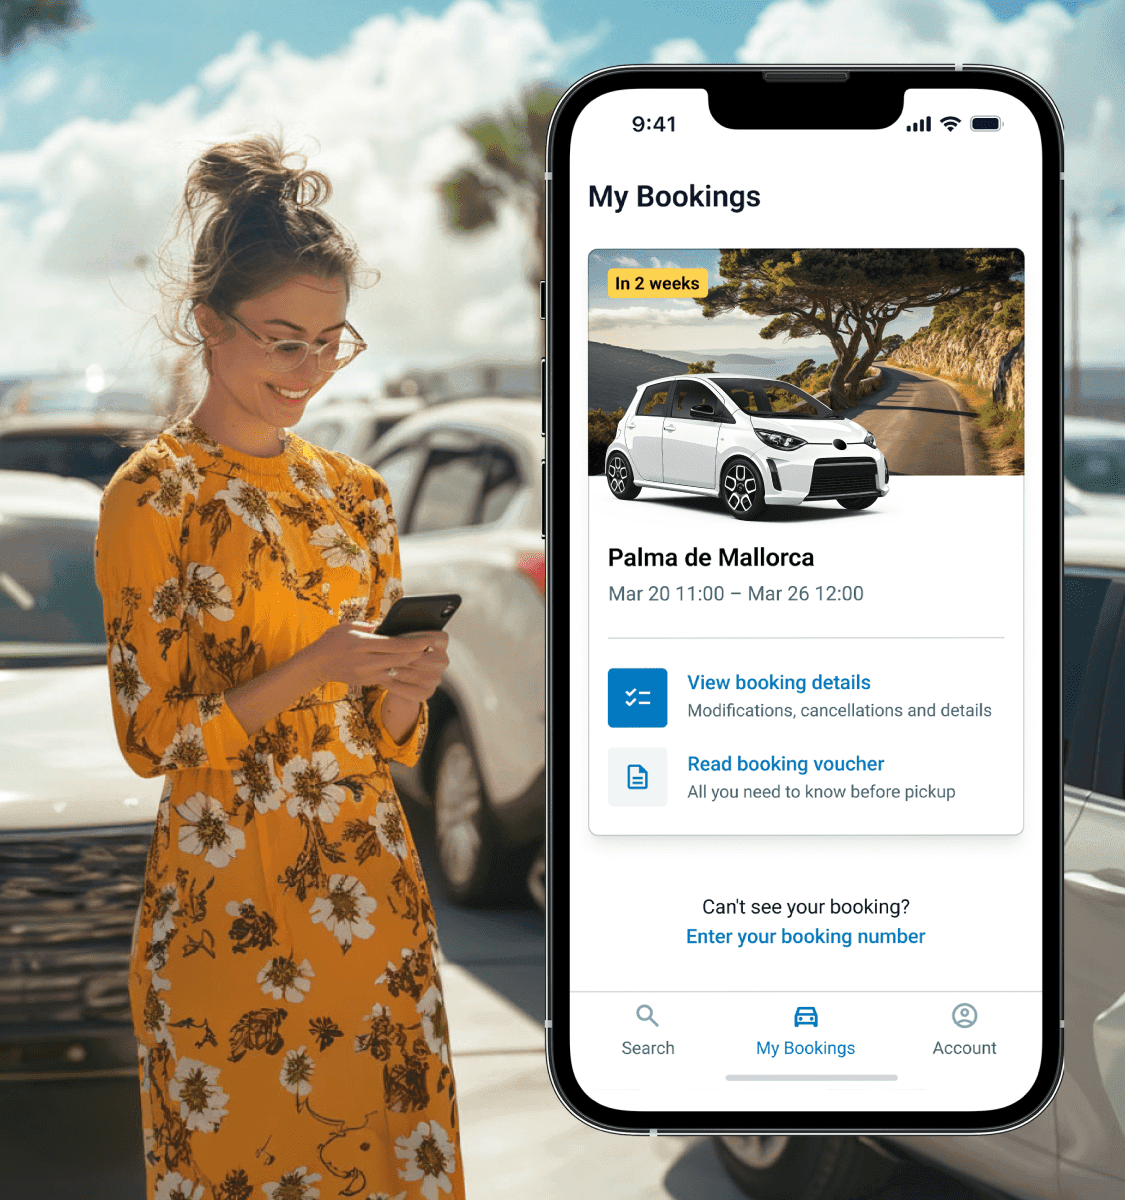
column 636, row 777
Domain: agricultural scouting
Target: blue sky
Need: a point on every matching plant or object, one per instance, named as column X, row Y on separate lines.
column 132, row 52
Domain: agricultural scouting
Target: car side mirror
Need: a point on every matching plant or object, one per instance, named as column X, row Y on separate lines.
column 702, row 410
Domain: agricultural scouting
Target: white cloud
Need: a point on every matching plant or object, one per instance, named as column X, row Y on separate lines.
column 37, row 85
column 381, row 117
column 679, row 50
column 623, row 260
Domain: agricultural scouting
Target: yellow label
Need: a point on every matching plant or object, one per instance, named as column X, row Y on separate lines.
column 657, row 283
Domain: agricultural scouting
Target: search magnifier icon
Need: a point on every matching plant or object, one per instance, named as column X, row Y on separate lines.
column 644, row 1013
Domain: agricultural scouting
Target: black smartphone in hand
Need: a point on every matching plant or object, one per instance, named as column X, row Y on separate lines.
column 419, row 614
column 803, row 526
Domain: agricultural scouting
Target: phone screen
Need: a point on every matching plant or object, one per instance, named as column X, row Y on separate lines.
column 804, row 543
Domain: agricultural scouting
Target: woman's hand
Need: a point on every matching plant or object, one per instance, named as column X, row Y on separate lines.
column 409, row 667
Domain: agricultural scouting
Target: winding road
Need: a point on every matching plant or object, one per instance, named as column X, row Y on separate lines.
column 922, row 425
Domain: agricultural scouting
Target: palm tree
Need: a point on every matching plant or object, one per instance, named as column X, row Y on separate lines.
column 21, row 21
column 511, row 158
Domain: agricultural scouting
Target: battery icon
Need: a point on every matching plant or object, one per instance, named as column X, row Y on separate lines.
column 985, row 124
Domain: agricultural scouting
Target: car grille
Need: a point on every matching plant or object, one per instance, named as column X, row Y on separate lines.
column 68, row 901
column 842, row 477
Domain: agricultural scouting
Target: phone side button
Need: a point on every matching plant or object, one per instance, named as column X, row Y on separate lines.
column 543, row 391
column 542, row 299
column 543, row 506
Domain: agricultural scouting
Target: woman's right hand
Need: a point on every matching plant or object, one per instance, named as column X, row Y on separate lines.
column 353, row 653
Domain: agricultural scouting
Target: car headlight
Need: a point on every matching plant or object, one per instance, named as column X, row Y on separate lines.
column 869, row 441
column 779, row 441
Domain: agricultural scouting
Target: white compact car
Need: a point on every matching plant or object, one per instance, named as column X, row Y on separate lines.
column 751, row 442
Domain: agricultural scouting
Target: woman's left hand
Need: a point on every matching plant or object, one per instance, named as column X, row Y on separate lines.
column 411, row 685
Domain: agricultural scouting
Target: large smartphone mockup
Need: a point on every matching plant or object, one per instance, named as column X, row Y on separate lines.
column 803, row 542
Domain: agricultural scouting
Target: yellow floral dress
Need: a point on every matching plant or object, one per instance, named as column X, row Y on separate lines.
column 284, row 978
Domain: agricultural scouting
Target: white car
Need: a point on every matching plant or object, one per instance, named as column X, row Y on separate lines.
column 75, row 822
column 465, row 480
column 1094, row 465
column 353, row 426
column 751, row 442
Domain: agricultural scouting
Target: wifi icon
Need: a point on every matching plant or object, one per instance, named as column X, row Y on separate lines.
column 951, row 123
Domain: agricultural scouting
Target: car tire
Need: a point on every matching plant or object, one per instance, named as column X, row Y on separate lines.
column 477, row 865
column 619, row 476
column 804, row 1168
column 741, row 489
column 856, row 502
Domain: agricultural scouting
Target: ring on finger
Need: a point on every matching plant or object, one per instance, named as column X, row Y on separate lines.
column 392, row 672
column 427, row 650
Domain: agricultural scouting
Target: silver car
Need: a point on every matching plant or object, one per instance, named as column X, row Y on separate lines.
column 465, row 480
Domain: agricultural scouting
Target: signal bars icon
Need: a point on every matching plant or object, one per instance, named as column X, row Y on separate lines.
column 922, row 125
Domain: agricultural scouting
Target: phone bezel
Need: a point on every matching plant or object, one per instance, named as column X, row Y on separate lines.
column 797, row 113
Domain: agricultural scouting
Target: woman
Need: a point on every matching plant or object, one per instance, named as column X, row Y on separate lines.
column 284, row 979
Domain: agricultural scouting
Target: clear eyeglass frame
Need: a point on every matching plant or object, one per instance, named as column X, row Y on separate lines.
column 282, row 353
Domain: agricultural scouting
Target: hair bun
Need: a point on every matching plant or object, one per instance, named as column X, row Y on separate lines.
column 254, row 168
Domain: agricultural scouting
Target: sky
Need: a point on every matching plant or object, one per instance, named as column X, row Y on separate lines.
column 99, row 125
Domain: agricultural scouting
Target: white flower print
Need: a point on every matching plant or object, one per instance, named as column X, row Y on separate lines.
column 431, row 1008
column 186, row 749
column 429, row 1156
column 128, row 685
column 352, row 609
column 183, row 477
column 207, row 830
column 145, row 1066
column 167, row 602
column 251, row 505
column 378, row 528
column 344, row 911
column 338, row 548
column 352, row 727
column 259, row 782
column 308, row 474
column 206, row 591
column 209, row 706
column 203, row 1104
column 283, row 977
column 392, row 591
column 389, row 825
column 174, row 1186
column 385, row 1196
column 309, row 786
column 293, row 1185
column 164, row 908
column 296, row 1071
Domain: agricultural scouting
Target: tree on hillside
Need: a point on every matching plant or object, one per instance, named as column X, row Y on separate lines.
column 511, row 152
column 892, row 343
column 851, row 296
column 21, row 21
column 703, row 367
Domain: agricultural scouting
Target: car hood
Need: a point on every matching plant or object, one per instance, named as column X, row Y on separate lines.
column 61, row 766
column 813, row 431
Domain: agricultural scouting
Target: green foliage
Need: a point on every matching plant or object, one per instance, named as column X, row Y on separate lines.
column 21, row 21
column 965, row 315
column 703, row 367
column 602, row 428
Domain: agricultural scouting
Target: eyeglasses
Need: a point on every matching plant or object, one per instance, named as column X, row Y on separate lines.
column 288, row 354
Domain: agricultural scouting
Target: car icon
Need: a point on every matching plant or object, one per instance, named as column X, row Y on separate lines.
column 750, row 442
column 805, row 1016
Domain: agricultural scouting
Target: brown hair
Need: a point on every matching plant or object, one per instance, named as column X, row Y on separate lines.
column 254, row 222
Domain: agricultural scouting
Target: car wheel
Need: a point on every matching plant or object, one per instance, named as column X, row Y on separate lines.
column 804, row 1168
column 742, row 491
column 854, row 502
column 463, row 827
column 619, row 476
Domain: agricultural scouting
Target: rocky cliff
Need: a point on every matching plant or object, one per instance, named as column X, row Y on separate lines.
column 988, row 354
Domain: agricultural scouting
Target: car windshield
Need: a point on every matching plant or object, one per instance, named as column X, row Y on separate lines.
column 50, row 607
column 54, row 396
column 81, row 455
column 1096, row 464
column 764, row 397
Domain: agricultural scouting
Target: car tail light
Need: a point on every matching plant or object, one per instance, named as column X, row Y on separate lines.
column 534, row 566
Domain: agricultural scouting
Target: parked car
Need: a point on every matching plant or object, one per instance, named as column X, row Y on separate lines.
column 1075, row 1148
column 751, row 442
column 465, row 482
column 353, row 426
column 75, row 822
column 1094, row 464
column 63, row 426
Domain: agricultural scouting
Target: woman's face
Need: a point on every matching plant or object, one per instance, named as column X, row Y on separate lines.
column 305, row 308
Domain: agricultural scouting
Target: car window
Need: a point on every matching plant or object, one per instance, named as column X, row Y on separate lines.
column 80, row 456
column 772, row 396
column 689, row 394
column 653, row 401
column 500, row 487
column 48, row 592
column 1095, row 464
column 325, row 434
column 1083, row 596
column 449, row 491
column 398, row 471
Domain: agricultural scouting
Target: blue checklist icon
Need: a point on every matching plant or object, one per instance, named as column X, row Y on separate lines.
column 638, row 698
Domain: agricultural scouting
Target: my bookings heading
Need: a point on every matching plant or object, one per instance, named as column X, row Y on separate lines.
column 736, row 199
